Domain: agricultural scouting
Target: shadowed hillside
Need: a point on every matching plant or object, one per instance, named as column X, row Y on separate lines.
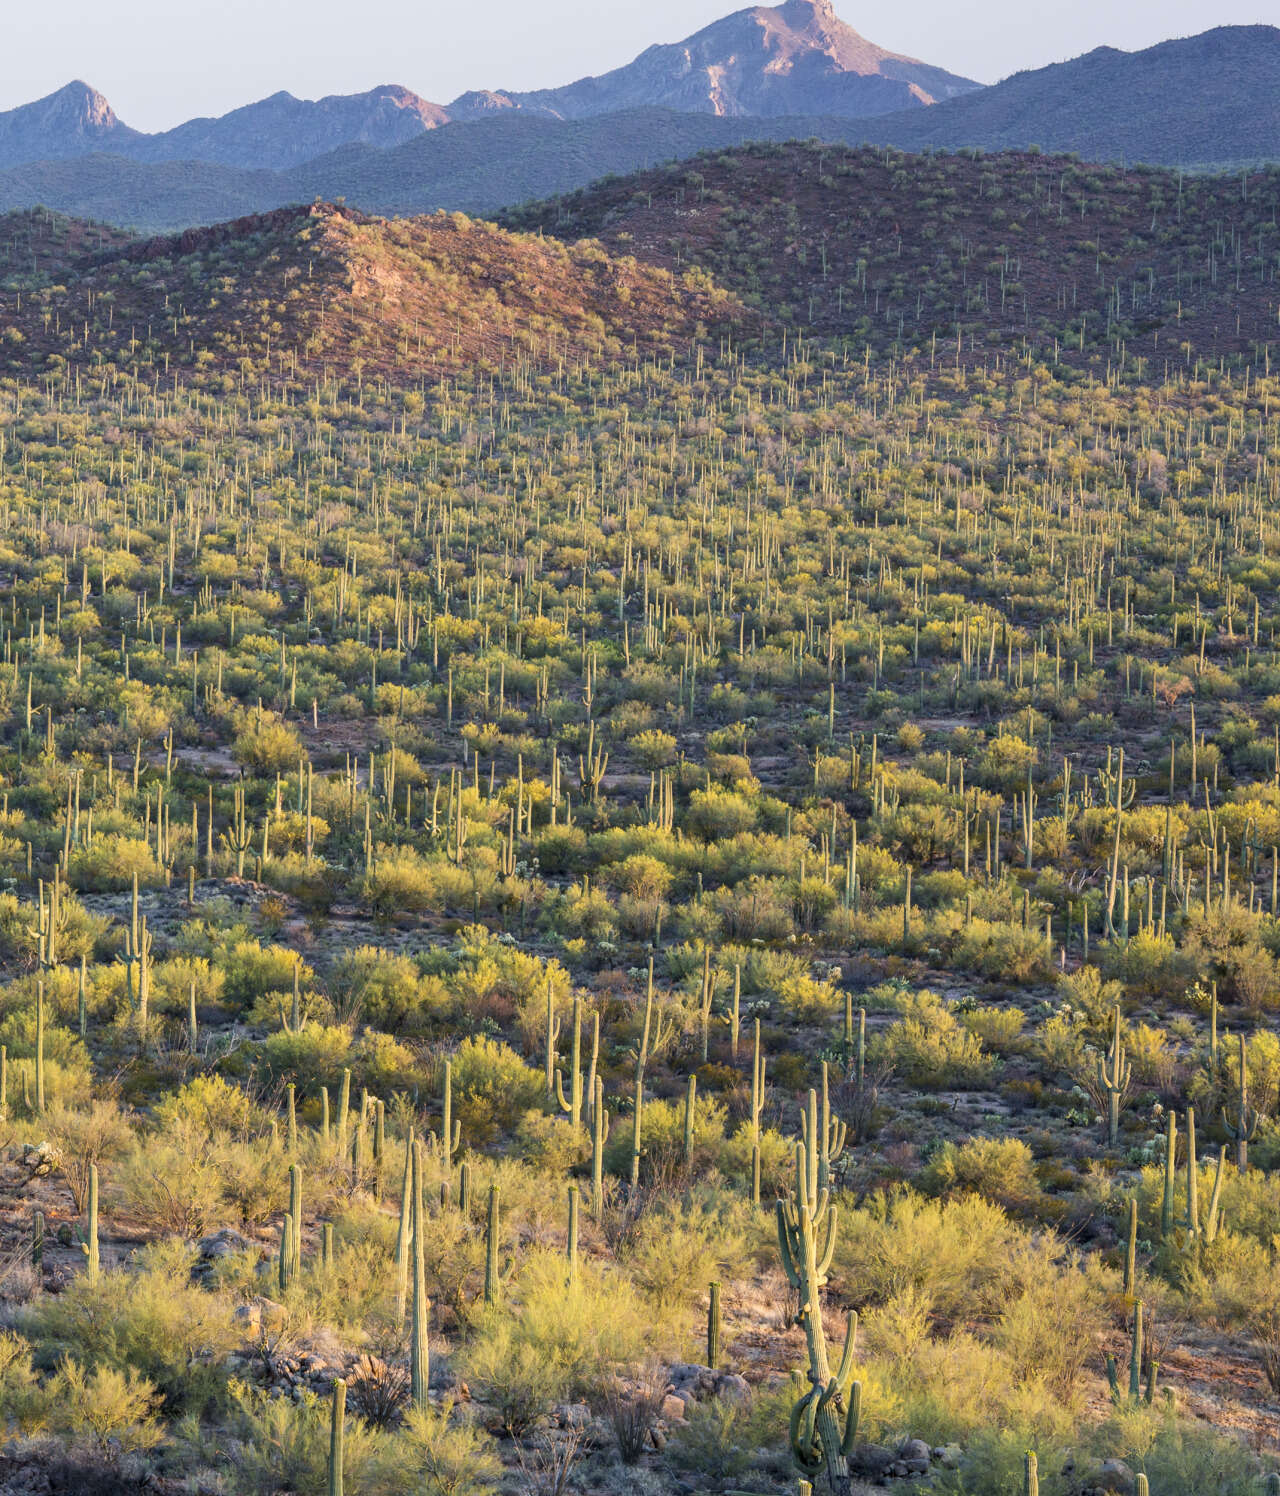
column 895, row 250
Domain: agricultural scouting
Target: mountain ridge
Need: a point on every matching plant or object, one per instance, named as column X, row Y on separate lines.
column 792, row 59
column 1204, row 102
column 1177, row 102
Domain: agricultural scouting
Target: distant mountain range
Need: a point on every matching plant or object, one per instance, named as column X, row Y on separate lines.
column 274, row 133
column 798, row 58
column 794, row 71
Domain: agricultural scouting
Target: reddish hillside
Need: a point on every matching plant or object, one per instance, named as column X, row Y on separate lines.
column 323, row 289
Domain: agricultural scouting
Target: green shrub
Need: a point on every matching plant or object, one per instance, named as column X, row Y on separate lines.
column 724, row 1442
column 678, row 1244
column 998, row 1169
column 382, row 988
column 928, row 1046
column 492, row 1087
column 250, row 971
column 549, row 1339
column 111, row 1406
column 153, row 1322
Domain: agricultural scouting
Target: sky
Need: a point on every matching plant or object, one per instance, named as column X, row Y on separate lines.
column 162, row 61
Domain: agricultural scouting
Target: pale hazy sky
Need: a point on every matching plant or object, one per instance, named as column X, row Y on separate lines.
column 163, row 61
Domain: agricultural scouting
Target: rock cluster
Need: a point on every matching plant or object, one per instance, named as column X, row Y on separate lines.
column 689, row 1383
column 909, row 1460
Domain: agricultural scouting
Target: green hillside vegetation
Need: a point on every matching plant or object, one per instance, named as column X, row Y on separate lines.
column 876, row 246
column 604, row 893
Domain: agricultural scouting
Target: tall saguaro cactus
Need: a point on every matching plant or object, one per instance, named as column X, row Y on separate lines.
column 419, row 1352
column 1243, row 1129
column 757, row 1107
column 337, row 1431
column 1114, row 1074
column 824, row 1421
column 90, row 1243
column 571, row 1104
column 599, row 1136
column 824, row 1135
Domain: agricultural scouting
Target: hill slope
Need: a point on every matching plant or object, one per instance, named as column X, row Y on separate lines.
column 1202, row 99
column 304, row 290
column 893, row 250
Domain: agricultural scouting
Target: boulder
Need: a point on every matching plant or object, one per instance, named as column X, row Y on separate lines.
column 221, row 1244
column 673, row 1409
column 1116, row 1477
column 915, row 1456
column 872, row 1461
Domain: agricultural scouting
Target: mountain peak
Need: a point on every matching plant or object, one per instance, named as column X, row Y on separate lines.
column 72, row 121
column 81, row 99
column 795, row 58
column 800, row 13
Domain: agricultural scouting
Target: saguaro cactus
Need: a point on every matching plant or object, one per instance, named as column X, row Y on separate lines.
column 450, row 1131
column 337, row 1430
column 690, row 1118
column 571, row 1237
column 1136, row 1391
column 1245, row 1126
column 419, row 1352
column 599, row 1135
column 1170, row 1168
column 491, row 1249
column 404, row 1232
column 824, row 1421
column 40, row 1047
column 138, row 942
column 713, row 1327
column 295, row 1212
column 757, row 1107
column 553, row 1037
column 284, row 1263
column 1114, row 1074
column 1031, row 1476
column 571, row 1104
column 824, row 1135
column 89, row 1245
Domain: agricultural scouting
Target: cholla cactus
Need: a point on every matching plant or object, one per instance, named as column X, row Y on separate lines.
column 824, row 1421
